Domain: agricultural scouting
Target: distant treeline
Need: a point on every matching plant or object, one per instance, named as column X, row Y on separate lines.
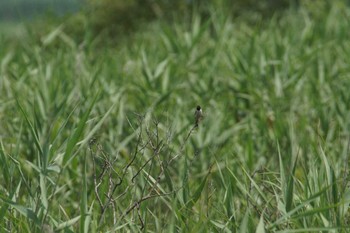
column 26, row 9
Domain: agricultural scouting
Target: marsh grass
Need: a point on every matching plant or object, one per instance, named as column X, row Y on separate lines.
column 101, row 139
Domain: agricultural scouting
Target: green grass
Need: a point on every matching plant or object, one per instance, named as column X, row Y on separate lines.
column 101, row 139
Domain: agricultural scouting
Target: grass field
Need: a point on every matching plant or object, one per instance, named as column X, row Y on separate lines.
column 101, row 138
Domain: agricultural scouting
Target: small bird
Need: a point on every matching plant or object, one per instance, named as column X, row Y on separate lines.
column 198, row 115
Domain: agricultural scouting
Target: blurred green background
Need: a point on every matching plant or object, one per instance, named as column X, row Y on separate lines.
column 96, row 116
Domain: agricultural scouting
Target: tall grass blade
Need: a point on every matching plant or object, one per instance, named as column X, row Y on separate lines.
column 67, row 223
column 290, row 188
column 5, row 207
column 4, row 165
column 72, row 142
column 31, row 127
column 261, row 226
column 198, row 191
column 24, row 211
column 244, row 227
column 84, row 227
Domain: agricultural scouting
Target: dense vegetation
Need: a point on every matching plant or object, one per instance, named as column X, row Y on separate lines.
column 101, row 138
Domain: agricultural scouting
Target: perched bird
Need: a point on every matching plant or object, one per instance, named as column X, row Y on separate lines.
column 198, row 115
